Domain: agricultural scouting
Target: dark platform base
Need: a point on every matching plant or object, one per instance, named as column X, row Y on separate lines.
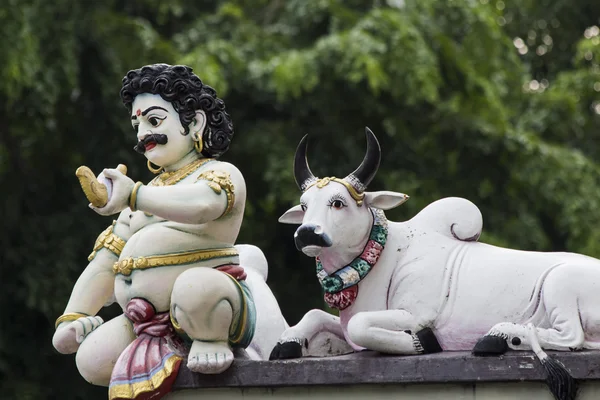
column 372, row 368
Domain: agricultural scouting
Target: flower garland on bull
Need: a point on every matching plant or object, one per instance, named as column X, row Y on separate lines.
column 341, row 288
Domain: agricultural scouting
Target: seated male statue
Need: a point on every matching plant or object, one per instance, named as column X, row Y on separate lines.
column 169, row 259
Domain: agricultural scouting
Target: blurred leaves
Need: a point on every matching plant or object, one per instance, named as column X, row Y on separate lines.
column 496, row 102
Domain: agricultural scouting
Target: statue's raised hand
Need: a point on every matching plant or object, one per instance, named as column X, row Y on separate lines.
column 121, row 189
column 69, row 335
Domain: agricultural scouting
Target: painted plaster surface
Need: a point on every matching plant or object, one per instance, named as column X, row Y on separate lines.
column 191, row 296
column 427, row 284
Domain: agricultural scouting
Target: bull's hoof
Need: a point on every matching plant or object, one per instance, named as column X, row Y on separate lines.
column 428, row 341
column 286, row 350
column 490, row 346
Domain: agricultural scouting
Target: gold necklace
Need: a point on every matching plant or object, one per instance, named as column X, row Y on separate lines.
column 171, row 178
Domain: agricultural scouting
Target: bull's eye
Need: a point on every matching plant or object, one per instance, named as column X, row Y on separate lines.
column 337, row 204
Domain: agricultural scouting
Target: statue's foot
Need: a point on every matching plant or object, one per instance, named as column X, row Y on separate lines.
column 209, row 357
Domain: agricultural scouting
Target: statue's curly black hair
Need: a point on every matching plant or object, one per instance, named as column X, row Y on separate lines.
column 178, row 85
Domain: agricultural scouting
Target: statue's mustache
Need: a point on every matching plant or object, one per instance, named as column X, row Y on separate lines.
column 159, row 138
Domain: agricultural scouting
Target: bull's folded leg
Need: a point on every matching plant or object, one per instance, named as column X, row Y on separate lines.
column 203, row 305
column 391, row 331
column 294, row 341
column 566, row 334
column 100, row 350
column 562, row 311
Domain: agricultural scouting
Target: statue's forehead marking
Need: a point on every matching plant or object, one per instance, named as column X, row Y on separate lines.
column 138, row 112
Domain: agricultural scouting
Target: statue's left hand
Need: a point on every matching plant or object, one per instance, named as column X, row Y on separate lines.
column 121, row 189
column 70, row 335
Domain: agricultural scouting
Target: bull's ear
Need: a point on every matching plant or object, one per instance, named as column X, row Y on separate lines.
column 385, row 200
column 294, row 215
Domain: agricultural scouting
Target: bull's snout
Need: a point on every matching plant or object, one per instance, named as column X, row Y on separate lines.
column 311, row 235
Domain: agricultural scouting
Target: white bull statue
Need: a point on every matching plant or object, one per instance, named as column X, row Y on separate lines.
column 427, row 285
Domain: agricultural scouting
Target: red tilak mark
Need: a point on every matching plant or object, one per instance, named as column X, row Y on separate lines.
column 138, row 112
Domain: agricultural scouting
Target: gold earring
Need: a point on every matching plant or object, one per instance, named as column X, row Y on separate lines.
column 198, row 145
column 155, row 171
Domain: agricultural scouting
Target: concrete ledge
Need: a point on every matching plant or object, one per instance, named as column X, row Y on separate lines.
column 372, row 368
column 590, row 390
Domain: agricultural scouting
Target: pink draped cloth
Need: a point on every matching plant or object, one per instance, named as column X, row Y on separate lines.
column 147, row 368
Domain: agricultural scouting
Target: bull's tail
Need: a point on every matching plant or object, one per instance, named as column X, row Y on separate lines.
column 454, row 217
column 560, row 382
column 535, row 311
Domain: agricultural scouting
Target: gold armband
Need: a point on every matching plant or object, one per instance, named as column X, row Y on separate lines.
column 217, row 181
column 108, row 240
column 74, row 316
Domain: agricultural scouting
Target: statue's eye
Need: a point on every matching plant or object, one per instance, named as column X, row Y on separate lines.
column 155, row 121
column 303, row 207
column 337, row 204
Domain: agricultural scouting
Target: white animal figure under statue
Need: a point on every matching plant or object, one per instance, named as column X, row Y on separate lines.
column 427, row 285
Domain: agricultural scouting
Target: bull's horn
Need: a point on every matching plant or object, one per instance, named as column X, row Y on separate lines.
column 302, row 172
column 366, row 171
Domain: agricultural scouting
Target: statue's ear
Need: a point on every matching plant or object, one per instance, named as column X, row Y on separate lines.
column 385, row 200
column 199, row 123
column 294, row 215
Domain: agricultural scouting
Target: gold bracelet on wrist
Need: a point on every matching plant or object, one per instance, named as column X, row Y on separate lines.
column 133, row 195
column 74, row 316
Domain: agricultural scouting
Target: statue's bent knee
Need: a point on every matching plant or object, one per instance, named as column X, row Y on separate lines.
column 208, row 304
column 93, row 371
column 100, row 350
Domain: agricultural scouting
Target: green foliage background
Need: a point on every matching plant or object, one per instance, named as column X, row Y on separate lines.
column 496, row 101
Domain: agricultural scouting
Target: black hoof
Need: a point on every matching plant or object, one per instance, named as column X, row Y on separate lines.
column 490, row 346
column 283, row 351
column 428, row 341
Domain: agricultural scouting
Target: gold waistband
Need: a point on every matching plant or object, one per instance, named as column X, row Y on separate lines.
column 127, row 265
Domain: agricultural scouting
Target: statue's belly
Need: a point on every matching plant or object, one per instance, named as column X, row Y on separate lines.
column 155, row 284
column 163, row 239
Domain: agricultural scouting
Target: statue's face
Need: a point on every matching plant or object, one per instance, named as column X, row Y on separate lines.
column 151, row 114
